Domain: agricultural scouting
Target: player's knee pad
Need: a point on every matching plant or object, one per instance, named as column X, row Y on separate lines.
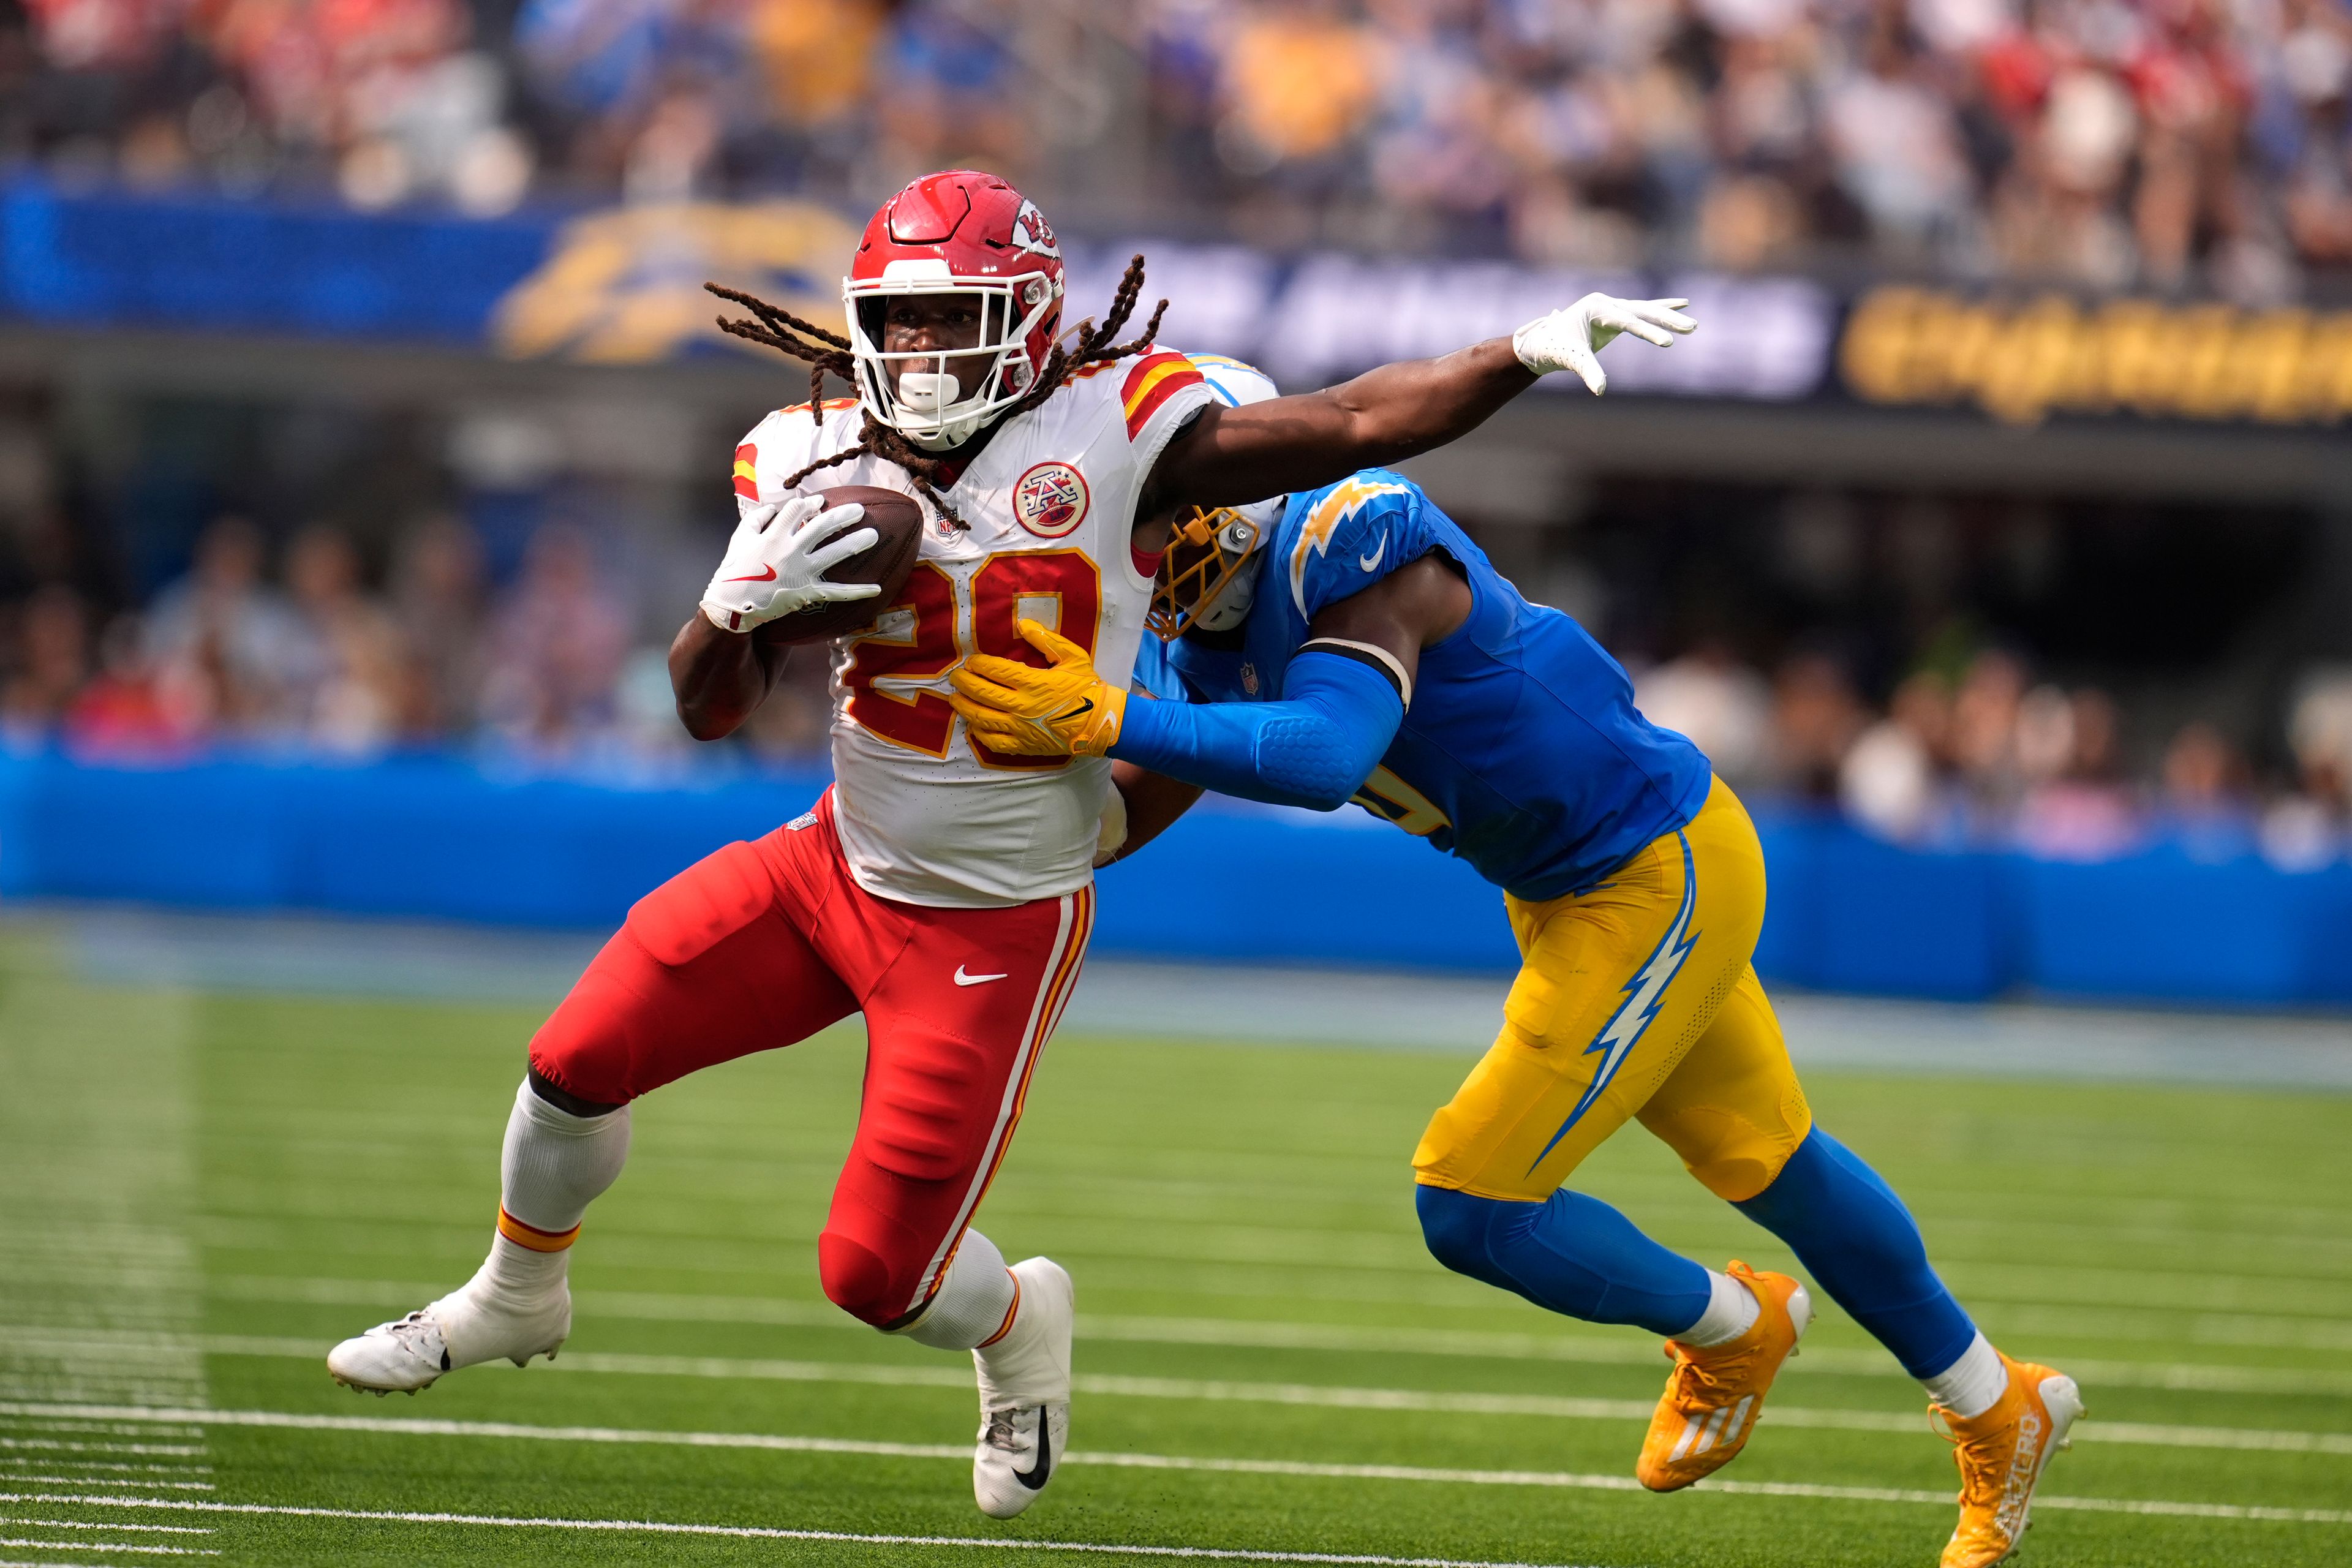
column 857, row 1280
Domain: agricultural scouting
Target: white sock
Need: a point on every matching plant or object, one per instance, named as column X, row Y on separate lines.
column 1972, row 1385
column 555, row 1164
column 1731, row 1311
column 520, row 1277
column 975, row 1302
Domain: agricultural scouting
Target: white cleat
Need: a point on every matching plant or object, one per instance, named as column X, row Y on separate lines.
column 1025, row 1393
column 470, row 1325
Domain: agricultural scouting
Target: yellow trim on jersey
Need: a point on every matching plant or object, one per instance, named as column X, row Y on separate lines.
column 1636, row 1000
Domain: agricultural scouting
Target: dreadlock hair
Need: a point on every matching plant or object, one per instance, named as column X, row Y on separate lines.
column 827, row 354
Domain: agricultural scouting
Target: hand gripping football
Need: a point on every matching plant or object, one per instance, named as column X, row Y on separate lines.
column 897, row 522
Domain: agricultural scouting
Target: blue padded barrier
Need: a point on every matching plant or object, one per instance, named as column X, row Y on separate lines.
column 1230, row 880
column 2166, row 926
column 440, row 837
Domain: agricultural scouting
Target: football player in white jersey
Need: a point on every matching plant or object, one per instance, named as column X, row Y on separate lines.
column 939, row 887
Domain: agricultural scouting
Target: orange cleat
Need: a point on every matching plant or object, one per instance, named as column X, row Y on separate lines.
column 1715, row 1393
column 2001, row 1454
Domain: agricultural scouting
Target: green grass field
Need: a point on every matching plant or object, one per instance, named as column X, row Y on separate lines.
column 199, row 1192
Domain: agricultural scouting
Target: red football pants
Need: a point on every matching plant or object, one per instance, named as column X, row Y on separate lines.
column 761, row 945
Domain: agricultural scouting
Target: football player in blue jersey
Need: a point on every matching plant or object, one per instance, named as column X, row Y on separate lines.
column 1352, row 643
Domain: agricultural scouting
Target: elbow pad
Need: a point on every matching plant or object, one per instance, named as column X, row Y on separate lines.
column 1312, row 761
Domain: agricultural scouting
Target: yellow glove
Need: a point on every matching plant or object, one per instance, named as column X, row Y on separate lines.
column 1064, row 711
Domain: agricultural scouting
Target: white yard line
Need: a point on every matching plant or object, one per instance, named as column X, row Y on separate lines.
column 86, row 1524
column 782, row 1443
column 65, row 1446
column 1223, row 1391
column 179, row 1487
column 113, row 1546
column 1261, row 1335
column 173, row 1469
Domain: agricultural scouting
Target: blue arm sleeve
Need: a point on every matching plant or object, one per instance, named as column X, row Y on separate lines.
column 1312, row 748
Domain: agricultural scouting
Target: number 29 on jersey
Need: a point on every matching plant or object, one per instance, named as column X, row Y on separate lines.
column 945, row 620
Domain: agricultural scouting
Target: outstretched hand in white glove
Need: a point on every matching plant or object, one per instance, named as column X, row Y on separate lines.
column 1573, row 339
column 777, row 560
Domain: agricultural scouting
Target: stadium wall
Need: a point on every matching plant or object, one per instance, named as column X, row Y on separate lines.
column 441, row 838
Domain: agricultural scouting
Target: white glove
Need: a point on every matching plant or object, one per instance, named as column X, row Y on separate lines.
column 777, row 560
column 1573, row 338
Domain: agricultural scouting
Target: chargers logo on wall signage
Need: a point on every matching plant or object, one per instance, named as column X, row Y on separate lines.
column 1050, row 499
column 624, row 287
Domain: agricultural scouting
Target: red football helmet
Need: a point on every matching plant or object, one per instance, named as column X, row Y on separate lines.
column 960, row 232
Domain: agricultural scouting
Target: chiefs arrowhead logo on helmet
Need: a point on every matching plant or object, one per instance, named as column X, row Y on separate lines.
column 1033, row 234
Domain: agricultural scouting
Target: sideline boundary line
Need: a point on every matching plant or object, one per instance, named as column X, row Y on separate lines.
column 1299, row 1468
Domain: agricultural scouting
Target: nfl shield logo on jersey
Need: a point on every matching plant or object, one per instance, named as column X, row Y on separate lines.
column 1050, row 499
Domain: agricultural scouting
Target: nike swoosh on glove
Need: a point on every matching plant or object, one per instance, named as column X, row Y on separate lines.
column 1063, row 710
column 776, row 563
column 1573, row 339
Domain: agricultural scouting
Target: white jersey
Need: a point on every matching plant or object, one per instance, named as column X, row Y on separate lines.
column 926, row 815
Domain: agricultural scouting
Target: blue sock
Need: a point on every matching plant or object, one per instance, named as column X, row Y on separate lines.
column 1571, row 1253
column 1860, row 1243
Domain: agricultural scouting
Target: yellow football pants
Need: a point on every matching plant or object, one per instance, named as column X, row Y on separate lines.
column 1634, row 998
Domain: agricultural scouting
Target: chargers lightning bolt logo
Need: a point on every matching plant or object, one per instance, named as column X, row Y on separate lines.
column 1644, row 994
column 1345, row 499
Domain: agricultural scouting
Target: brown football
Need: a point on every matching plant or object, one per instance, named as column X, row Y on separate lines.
column 898, row 522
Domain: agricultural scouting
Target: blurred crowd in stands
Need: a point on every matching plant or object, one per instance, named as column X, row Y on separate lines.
column 298, row 653
column 1986, row 755
column 2158, row 144
column 310, row 660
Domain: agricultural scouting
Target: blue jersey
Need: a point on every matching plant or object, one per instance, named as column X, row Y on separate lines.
column 1522, row 752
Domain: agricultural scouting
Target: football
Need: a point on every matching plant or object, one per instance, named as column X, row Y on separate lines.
column 897, row 522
